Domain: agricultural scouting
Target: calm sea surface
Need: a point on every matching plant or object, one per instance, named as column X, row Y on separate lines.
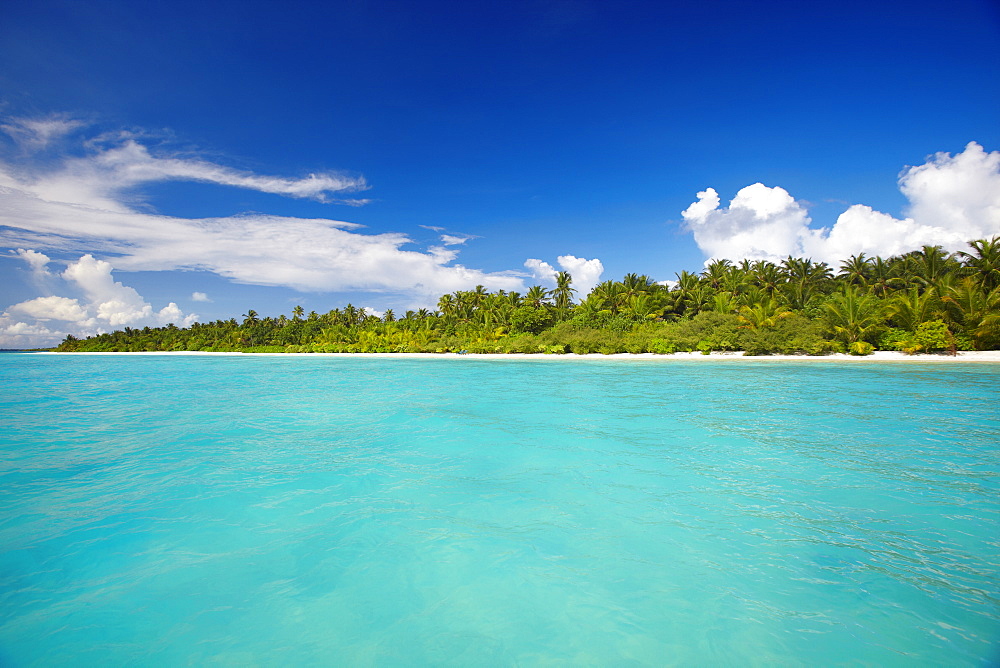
column 276, row 511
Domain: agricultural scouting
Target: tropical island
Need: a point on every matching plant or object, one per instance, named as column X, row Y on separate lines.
column 927, row 300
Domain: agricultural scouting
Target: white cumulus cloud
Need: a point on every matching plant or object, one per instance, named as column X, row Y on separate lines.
column 959, row 194
column 20, row 335
column 760, row 222
column 103, row 305
column 51, row 308
column 35, row 260
column 952, row 200
column 586, row 273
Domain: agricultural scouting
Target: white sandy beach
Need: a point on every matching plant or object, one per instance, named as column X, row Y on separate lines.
column 989, row 356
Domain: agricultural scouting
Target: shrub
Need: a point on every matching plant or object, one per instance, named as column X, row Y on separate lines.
column 604, row 320
column 483, row 347
column 861, row 348
column 530, row 319
column 793, row 335
column 587, row 341
column 929, row 336
column 718, row 331
column 662, row 347
column 894, row 339
column 933, row 335
column 526, row 343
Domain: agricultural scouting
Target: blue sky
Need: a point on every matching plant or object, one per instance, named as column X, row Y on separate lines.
column 161, row 161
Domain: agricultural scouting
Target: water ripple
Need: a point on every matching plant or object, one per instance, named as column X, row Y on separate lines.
column 315, row 511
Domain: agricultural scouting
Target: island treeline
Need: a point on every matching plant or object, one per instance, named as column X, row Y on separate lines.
column 923, row 301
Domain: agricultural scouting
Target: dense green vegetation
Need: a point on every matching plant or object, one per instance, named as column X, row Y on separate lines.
column 926, row 300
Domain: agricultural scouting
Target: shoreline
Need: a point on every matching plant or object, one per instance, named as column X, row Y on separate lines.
column 981, row 356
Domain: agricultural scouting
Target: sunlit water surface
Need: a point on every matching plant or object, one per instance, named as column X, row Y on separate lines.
column 354, row 511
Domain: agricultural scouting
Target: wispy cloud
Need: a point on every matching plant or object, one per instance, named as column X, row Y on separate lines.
column 952, row 200
column 37, row 133
column 101, row 178
column 88, row 204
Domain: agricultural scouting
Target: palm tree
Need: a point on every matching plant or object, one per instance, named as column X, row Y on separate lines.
column 907, row 309
column 765, row 313
column 563, row 294
column 805, row 279
column 767, row 276
column 884, row 276
column 983, row 262
column 610, row 294
column 724, row 301
column 683, row 293
column 464, row 308
column 478, row 295
column 635, row 284
column 297, row 312
column 852, row 315
column 590, row 307
column 929, row 265
column 249, row 324
column 512, row 298
column 751, row 296
column 493, row 310
column 716, row 273
column 640, row 306
column 975, row 311
column 536, row 297
column 855, row 270
column 447, row 304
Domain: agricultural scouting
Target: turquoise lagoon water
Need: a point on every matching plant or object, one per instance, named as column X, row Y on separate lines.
column 275, row 511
